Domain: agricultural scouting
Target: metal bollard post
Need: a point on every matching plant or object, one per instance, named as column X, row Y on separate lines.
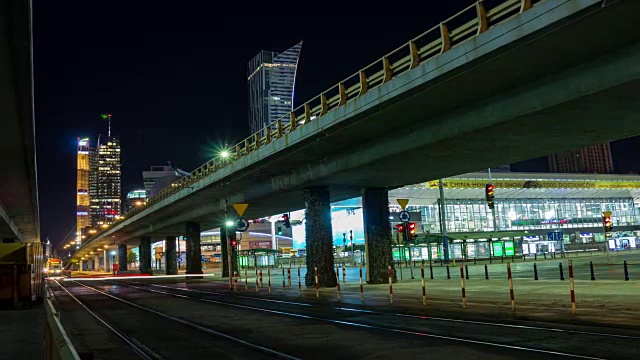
column 502, row 258
column 626, row 271
column 289, row 277
column 257, row 284
column 424, row 293
column 448, row 274
column 261, row 283
column 545, row 255
column 466, row 272
column 464, row 294
column 535, row 271
column 474, row 261
column 299, row 283
column 573, row 292
column 344, row 273
column 338, row 284
column 246, row 280
column 284, row 285
column 269, row 279
column 524, row 257
column 315, row 269
column 390, row 284
column 561, row 272
column 593, row 274
column 511, row 294
column 235, row 281
column 535, row 256
column 430, row 271
column 486, row 272
column 361, row 287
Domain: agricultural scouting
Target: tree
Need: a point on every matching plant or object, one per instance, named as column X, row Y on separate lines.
column 132, row 257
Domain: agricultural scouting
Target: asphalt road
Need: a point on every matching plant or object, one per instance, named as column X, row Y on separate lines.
column 309, row 330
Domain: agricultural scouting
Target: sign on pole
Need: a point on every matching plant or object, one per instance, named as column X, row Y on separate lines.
column 240, row 208
column 403, row 203
column 242, row 224
column 606, row 213
column 404, row 216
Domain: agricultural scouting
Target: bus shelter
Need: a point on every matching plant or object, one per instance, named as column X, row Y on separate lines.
column 257, row 257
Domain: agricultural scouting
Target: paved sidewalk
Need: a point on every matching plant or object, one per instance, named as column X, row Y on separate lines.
column 22, row 334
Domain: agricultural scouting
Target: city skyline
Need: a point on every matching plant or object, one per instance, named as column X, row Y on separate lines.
column 185, row 104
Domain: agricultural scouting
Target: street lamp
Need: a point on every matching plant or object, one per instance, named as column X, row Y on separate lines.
column 224, row 154
column 229, row 223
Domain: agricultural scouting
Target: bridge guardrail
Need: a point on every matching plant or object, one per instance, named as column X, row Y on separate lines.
column 466, row 24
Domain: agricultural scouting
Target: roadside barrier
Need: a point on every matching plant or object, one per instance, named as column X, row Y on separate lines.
column 269, row 279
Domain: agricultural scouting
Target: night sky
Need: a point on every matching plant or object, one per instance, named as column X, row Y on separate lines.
column 174, row 77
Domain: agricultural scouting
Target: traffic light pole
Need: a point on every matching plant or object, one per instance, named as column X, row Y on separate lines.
column 493, row 210
column 229, row 248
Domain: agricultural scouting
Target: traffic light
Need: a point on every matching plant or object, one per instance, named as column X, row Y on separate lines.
column 489, row 195
column 279, row 230
column 400, row 228
column 234, row 243
column 412, row 230
column 285, row 219
column 607, row 223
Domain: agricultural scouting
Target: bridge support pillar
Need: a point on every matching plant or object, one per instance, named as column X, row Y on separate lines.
column 192, row 237
column 170, row 256
column 377, row 235
column 96, row 263
column 80, row 265
column 319, row 237
column 122, row 257
column 145, row 255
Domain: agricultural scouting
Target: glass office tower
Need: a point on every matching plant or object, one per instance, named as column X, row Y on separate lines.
column 271, row 78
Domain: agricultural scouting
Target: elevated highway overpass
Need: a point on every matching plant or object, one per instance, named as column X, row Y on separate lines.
column 19, row 220
column 485, row 87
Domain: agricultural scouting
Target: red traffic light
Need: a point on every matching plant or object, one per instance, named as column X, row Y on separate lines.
column 399, row 228
column 234, row 243
column 412, row 228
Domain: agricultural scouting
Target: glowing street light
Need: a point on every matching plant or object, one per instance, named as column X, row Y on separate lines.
column 224, row 154
column 229, row 223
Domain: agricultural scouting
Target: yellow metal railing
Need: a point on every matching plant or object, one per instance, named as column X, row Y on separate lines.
column 425, row 47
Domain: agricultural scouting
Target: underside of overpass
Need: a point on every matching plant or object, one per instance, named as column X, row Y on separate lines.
column 465, row 110
column 19, row 220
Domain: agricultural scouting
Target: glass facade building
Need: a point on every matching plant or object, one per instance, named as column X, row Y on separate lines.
column 271, row 77
column 82, row 188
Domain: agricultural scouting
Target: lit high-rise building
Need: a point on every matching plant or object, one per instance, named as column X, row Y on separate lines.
column 82, row 188
column 271, row 78
column 591, row 159
column 108, row 184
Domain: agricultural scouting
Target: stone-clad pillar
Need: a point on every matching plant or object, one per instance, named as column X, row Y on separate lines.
column 377, row 235
column 145, row 255
column 192, row 237
column 170, row 256
column 319, row 237
column 96, row 263
column 227, row 234
column 122, row 257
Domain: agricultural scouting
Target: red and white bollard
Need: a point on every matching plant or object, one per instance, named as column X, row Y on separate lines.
column 246, row 280
column 338, row 283
column 464, row 294
column 269, row 279
column 299, row 283
column 261, row 283
column 361, row 287
column 235, row 281
column 511, row 294
column 573, row 291
column 424, row 291
column 257, row 284
column 390, row 272
column 289, row 276
column 315, row 269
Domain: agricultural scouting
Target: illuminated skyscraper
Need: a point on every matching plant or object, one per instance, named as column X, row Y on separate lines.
column 272, row 78
column 107, row 201
column 82, row 188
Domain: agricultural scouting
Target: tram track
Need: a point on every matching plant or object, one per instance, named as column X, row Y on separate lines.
column 389, row 323
column 142, row 345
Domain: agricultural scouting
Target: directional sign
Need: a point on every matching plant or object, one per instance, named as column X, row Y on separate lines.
column 404, row 216
column 403, row 203
column 241, row 208
column 555, row 235
column 242, row 224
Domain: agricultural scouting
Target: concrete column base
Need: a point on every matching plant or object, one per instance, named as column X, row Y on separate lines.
column 319, row 238
column 122, row 257
column 377, row 235
column 171, row 259
column 192, row 237
column 145, row 255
